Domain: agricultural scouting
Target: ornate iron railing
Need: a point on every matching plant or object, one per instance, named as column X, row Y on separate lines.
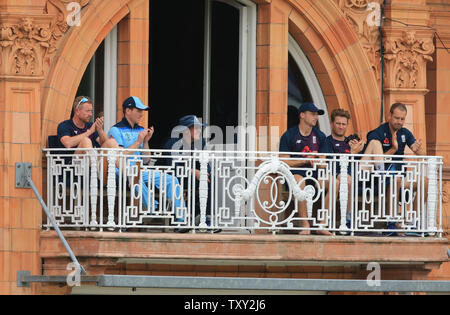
column 244, row 192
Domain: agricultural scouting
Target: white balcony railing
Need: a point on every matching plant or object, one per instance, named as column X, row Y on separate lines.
column 243, row 192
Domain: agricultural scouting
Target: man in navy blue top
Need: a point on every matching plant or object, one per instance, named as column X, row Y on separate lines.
column 391, row 138
column 338, row 143
column 303, row 138
column 130, row 135
column 79, row 132
column 187, row 136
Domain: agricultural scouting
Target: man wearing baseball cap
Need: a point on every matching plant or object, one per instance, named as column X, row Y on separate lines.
column 187, row 136
column 130, row 135
column 304, row 138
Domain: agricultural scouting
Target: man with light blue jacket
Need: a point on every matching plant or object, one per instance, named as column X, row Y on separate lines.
column 130, row 135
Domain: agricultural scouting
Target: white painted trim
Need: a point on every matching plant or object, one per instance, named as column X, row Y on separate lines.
column 110, row 85
column 311, row 81
column 247, row 67
column 207, row 65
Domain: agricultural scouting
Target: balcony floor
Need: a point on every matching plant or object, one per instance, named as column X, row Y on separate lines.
column 172, row 248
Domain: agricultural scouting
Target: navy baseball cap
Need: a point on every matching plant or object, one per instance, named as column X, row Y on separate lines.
column 134, row 102
column 188, row 121
column 310, row 107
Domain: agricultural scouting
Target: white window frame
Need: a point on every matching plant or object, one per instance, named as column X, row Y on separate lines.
column 247, row 69
column 110, row 80
column 311, row 81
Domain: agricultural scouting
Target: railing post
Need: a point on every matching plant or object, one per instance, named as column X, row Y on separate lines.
column 203, row 188
column 343, row 192
column 93, row 188
column 309, row 191
column 111, row 187
column 432, row 197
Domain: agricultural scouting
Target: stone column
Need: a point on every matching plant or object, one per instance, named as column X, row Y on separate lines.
column 133, row 56
column 24, row 53
column 407, row 50
column 272, row 73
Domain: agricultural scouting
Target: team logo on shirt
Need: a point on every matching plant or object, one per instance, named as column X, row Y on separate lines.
column 386, row 141
column 403, row 138
column 306, row 149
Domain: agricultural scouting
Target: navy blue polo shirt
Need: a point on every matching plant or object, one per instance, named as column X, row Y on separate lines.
column 68, row 128
column 332, row 145
column 383, row 134
column 179, row 144
column 293, row 141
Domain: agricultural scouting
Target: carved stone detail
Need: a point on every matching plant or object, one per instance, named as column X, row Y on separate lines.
column 406, row 59
column 59, row 9
column 24, row 43
column 28, row 42
column 360, row 14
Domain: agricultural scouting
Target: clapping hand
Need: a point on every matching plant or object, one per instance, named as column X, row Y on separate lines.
column 99, row 123
column 149, row 135
column 356, row 146
column 394, row 141
column 417, row 146
column 145, row 135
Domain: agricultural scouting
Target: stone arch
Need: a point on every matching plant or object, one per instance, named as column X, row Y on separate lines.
column 74, row 53
column 338, row 58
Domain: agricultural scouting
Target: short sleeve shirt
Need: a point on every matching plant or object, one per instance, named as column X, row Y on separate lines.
column 180, row 144
column 332, row 145
column 124, row 134
column 68, row 128
column 293, row 141
column 383, row 134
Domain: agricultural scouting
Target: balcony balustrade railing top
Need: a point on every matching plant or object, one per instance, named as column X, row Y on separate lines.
column 241, row 192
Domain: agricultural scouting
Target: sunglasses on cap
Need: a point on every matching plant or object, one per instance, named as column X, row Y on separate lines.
column 82, row 101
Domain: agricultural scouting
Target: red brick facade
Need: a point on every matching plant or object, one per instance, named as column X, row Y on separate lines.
column 38, row 83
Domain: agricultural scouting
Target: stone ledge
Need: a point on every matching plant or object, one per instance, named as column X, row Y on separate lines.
column 250, row 248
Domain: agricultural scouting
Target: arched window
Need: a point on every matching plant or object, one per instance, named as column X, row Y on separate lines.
column 202, row 62
column 99, row 81
column 304, row 85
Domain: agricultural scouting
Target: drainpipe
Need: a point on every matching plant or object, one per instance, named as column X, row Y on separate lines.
column 382, row 61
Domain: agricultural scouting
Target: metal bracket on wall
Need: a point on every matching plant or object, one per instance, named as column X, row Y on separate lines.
column 24, row 180
column 22, row 171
